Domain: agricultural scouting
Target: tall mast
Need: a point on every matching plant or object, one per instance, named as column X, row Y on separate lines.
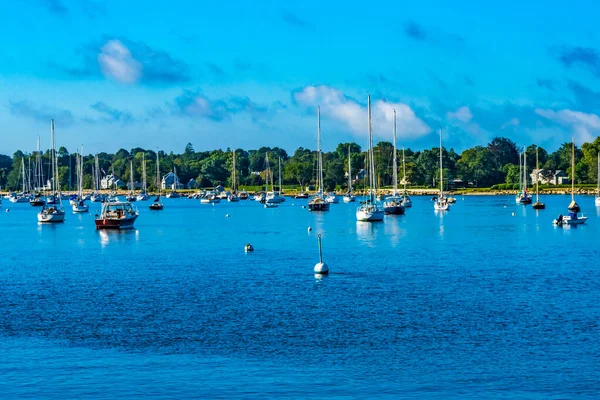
column 573, row 168
column 38, row 166
column 404, row 170
column 131, row 175
column 598, row 173
column 144, row 172
column 525, row 169
column 395, row 177
column 280, row 188
column 158, row 173
column 54, row 161
column 23, row 171
column 233, row 183
column 441, row 168
column 537, row 177
column 319, row 155
column 520, row 172
column 349, row 171
column 371, row 161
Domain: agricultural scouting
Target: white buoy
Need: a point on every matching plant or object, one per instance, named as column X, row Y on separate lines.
column 226, row 215
column 248, row 248
column 321, row 267
column 514, row 214
column 309, row 229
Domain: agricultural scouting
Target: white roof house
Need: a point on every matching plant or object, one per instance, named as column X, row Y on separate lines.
column 546, row 177
column 171, row 181
column 111, row 182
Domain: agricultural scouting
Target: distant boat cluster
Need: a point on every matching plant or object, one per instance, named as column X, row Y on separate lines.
column 117, row 214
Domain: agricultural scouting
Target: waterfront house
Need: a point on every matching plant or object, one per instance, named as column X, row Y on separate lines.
column 171, row 181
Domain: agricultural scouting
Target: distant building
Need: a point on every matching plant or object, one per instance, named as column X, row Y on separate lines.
column 547, row 177
column 192, row 184
column 220, row 188
column 361, row 175
column 171, row 181
column 111, row 182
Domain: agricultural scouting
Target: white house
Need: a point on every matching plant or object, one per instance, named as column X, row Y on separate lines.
column 545, row 177
column 111, row 182
column 192, row 184
column 171, row 181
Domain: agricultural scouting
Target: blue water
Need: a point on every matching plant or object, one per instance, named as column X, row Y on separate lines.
column 471, row 303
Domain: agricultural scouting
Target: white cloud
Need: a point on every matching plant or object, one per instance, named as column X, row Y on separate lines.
column 334, row 104
column 117, row 62
column 583, row 124
column 463, row 114
column 511, row 122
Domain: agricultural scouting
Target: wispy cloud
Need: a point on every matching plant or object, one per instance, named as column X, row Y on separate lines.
column 37, row 113
column 193, row 103
column 128, row 62
column 419, row 33
column 55, row 6
column 462, row 114
column 295, row 21
column 112, row 114
column 216, row 70
column 349, row 112
column 584, row 57
column 585, row 99
column 584, row 126
column 546, row 84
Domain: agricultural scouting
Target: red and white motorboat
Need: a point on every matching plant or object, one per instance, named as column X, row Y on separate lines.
column 116, row 216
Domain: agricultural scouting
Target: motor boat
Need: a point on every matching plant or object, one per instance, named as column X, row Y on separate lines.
column 318, row 203
column 349, row 198
column 80, row 207
column 571, row 219
column 332, row 198
column 369, row 212
column 393, row 205
column 116, row 216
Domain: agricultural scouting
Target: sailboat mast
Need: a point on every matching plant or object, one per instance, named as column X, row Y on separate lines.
column 371, row 161
column 54, row 162
column 158, row 185
column 280, row 188
column 537, row 177
column 131, row 175
column 441, row 167
column 525, row 169
column 573, row 169
column 319, row 155
column 144, row 172
column 349, row 171
column 233, row 172
column 404, row 170
column 23, row 172
column 598, row 173
column 395, row 177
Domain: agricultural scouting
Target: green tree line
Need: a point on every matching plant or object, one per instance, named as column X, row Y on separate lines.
column 484, row 166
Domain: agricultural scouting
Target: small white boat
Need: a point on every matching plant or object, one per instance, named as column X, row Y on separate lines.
column 393, row 204
column 232, row 198
column 53, row 210
column 143, row 197
column 80, row 207
column 369, row 212
column 271, row 205
column 441, row 202
column 349, row 198
column 571, row 219
column 523, row 197
column 51, row 214
column 332, row 198
column 210, row 198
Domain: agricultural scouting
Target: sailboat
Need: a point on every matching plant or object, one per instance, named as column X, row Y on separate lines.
column 272, row 196
column 523, row 197
column 349, row 197
column 370, row 210
column 80, row 206
column 143, row 196
column 317, row 202
column 96, row 197
column 270, row 199
column 572, row 218
column 597, row 200
column 131, row 197
column 156, row 204
column 37, row 200
column 406, row 201
column 174, row 194
column 23, row 197
column 441, row 203
column 538, row 205
column 233, row 197
column 53, row 212
column 393, row 204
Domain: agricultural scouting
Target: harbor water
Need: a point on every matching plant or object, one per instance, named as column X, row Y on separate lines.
column 471, row 303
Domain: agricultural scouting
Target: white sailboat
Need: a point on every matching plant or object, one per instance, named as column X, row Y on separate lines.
column 275, row 197
column 393, row 204
column 173, row 194
column 317, row 202
column 370, row 210
column 37, row 200
column 572, row 218
column 406, row 201
column 22, row 197
column 96, row 197
column 53, row 211
column 80, row 206
column 233, row 197
column 157, row 205
column 597, row 200
column 441, row 203
column 143, row 196
column 523, row 196
column 131, row 184
column 349, row 197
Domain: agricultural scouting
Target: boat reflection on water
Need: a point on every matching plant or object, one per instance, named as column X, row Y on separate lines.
column 393, row 230
column 367, row 232
column 118, row 236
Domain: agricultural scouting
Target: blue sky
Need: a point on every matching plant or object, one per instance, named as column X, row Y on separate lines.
column 249, row 74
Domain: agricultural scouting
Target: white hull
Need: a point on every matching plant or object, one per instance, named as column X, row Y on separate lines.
column 143, row 197
column 233, row 199
column 19, row 199
column 332, row 199
column 349, row 198
column 210, row 201
column 597, row 201
column 568, row 221
column 437, row 206
column 369, row 216
column 407, row 203
column 55, row 216
column 81, row 209
column 274, row 200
